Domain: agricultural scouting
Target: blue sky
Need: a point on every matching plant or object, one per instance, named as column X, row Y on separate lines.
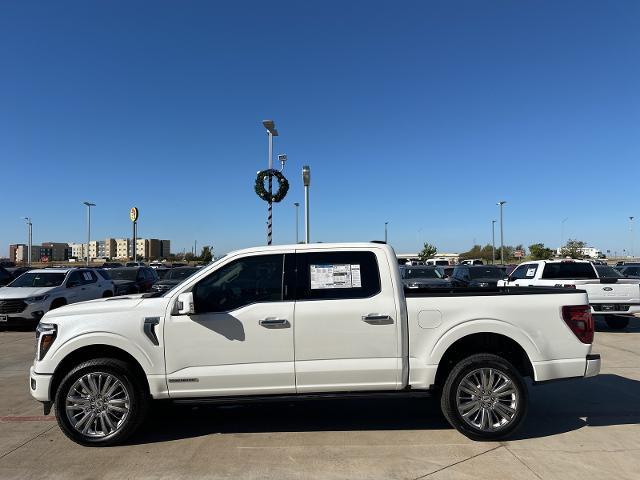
column 422, row 114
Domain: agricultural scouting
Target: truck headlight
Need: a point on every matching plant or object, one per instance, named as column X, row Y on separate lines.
column 38, row 299
column 45, row 335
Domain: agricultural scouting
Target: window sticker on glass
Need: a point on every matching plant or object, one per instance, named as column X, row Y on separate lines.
column 531, row 272
column 86, row 275
column 341, row 275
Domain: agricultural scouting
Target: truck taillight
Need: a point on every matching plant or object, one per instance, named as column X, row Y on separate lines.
column 579, row 320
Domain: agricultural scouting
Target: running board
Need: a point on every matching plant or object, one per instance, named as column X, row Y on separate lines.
column 297, row 397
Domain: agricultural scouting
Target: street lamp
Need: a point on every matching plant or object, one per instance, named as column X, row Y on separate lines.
column 501, row 204
column 493, row 242
column 271, row 132
column 562, row 231
column 296, row 204
column 631, row 234
column 89, row 205
column 30, row 231
column 306, row 180
column 385, row 231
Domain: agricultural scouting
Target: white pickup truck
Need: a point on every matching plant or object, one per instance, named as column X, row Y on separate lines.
column 317, row 320
column 611, row 295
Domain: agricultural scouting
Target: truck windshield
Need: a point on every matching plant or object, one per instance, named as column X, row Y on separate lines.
column 44, row 279
column 605, row 271
column 486, row 272
column 569, row 271
column 422, row 273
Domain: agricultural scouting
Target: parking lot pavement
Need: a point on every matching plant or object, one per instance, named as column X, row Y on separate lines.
column 577, row 429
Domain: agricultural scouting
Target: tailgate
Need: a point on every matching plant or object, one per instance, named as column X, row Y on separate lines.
column 612, row 292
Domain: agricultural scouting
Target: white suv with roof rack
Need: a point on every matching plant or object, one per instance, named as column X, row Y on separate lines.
column 25, row 300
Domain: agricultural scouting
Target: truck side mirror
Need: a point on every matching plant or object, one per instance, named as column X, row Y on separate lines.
column 185, row 304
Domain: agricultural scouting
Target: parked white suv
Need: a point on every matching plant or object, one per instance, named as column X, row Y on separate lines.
column 25, row 300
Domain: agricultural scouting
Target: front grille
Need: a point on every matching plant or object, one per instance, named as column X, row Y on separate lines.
column 616, row 307
column 12, row 306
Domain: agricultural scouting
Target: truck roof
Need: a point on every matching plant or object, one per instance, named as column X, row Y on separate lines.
column 312, row 246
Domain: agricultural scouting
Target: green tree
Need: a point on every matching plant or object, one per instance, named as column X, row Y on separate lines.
column 475, row 252
column 573, row 248
column 206, row 256
column 540, row 252
column 428, row 251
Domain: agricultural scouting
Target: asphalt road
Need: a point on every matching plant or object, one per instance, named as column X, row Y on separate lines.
column 577, row 429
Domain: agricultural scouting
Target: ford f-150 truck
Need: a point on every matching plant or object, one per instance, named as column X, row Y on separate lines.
column 316, row 320
column 611, row 295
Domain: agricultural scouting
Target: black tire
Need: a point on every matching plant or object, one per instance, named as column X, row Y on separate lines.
column 616, row 323
column 448, row 400
column 137, row 395
column 57, row 303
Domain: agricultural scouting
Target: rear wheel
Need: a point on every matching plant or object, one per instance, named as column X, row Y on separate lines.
column 616, row 323
column 100, row 403
column 484, row 397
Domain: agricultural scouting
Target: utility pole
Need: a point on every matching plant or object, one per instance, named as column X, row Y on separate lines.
column 501, row 204
column 29, row 239
column 296, row 204
column 493, row 242
column 306, row 180
column 385, row 232
column 562, row 231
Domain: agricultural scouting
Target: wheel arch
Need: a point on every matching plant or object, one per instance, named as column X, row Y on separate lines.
column 90, row 352
column 483, row 342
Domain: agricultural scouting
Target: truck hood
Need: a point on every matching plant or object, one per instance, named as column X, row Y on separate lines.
column 23, row 292
column 101, row 305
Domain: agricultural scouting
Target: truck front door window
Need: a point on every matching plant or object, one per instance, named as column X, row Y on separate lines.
column 242, row 282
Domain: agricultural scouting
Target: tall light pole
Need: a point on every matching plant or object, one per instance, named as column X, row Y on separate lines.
column 306, row 180
column 89, row 205
column 562, row 231
column 501, row 204
column 30, row 238
column 271, row 132
column 296, row 204
column 631, row 234
column 493, row 242
column 385, row 231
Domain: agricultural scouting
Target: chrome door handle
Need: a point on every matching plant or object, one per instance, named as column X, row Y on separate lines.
column 375, row 319
column 274, row 323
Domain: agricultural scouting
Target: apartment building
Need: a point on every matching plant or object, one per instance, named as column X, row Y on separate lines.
column 59, row 251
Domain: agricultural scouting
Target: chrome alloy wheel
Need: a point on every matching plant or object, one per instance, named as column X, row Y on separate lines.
column 487, row 399
column 97, row 404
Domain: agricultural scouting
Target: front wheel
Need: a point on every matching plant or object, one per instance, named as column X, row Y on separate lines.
column 616, row 323
column 484, row 397
column 100, row 403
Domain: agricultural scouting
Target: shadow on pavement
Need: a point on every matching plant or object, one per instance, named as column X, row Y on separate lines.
column 555, row 408
column 633, row 327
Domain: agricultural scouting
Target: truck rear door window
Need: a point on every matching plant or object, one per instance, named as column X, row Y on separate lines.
column 569, row 271
column 336, row 275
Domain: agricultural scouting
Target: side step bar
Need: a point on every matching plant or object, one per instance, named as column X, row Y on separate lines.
column 297, row 397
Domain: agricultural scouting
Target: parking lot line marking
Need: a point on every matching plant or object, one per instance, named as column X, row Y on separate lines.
column 26, row 418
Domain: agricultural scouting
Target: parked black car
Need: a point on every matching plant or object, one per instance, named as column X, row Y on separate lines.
column 421, row 276
column 112, row 265
column 477, row 276
column 5, row 277
column 630, row 271
column 173, row 278
column 129, row 280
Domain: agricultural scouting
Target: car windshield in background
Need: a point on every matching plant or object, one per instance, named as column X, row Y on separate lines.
column 421, row 273
column 569, row 271
column 45, row 279
column 180, row 273
column 123, row 274
column 631, row 270
column 162, row 272
column 484, row 272
column 605, row 271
